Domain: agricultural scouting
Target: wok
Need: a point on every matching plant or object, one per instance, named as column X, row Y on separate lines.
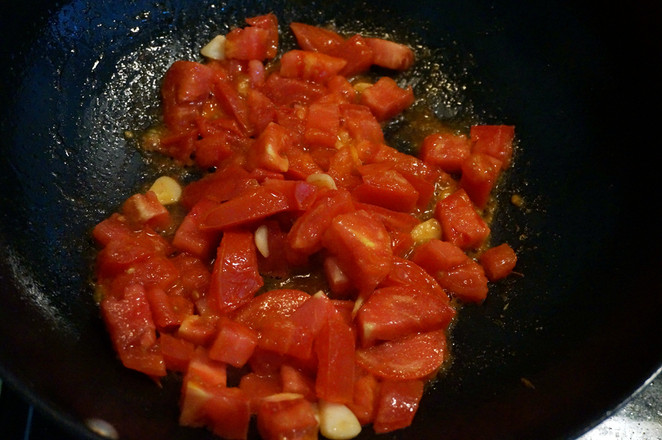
column 547, row 356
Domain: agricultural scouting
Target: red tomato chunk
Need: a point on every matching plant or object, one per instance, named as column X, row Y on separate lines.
column 293, row 278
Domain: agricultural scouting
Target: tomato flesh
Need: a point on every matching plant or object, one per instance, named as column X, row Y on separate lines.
column 294, row 272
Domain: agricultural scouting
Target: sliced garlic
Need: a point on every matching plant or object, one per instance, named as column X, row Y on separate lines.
column 167, row 190
column 215, row 49
column 262, row 240
column 426, row 231
column 322, row 180
column 337, row 422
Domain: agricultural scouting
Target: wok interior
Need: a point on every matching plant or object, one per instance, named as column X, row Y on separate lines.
column 547, row 354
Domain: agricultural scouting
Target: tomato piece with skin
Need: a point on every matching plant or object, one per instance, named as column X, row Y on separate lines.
column 493, row 140
column 453, row 269
column 261, row 110
column 322, row 124
column 267, row 151
column 259, row 41
column 185, row 85
column 263, row 308
column 133, row 332
column 297, row 382
column 358, row 54
column 287, row 416
column 146, row 209
column 406, row 272
column 480, row 173
column 362, row 246
column 414, row 356
column 334, row 347
column 460, row 223
column 366, row 394
column 447, row 150
column 386, row 188
column 234, row 343
column 258, row 386
column 390, row 54
column 235, row 277
column 198, row 329
column 270, row 23
column 498, row 261
column 189, row 237
column 397, row 405
column 311, row 66
column 360, row 123
column 284, row 91
column 246, row 209
column 168, row 311
column 154, row 271
column 177, row 352
column 386, row 99
column 306, row 233
column 315, row 38
column 393, row 312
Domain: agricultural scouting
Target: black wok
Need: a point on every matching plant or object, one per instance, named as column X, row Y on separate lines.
column 548, row 354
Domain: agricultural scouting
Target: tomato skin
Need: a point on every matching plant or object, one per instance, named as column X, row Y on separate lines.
column 498, row 261
column 292, row 419
column 398, row 403
column 393, row 312
column 480, row 173
column 411, row 357
column 133, row 332
column 494, row 140
column 235, row 277
column 386, row 99
column 460, row 223
column 362, row 246
column 447, row 150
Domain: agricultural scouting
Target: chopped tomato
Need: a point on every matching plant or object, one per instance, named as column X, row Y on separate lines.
column 386, row 98
column 362, row 246
column 498, row 261
column 235, row 277
column 132, row 331
column 410, row 357
column 312, row 66
column 386, row 188
column 300, row 193
column 398, row 402
column 393, row 312
column 234, row 343
column 480, row 173
column 390, row 54
column 307, row 231
column 448, row 150
column 315, row 38
column 335, row 353
column 494, row 140
column 287, row 416
column 460, row 223
column 147, row 210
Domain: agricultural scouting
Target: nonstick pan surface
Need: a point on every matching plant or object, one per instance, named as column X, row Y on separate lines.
column 548, row 354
